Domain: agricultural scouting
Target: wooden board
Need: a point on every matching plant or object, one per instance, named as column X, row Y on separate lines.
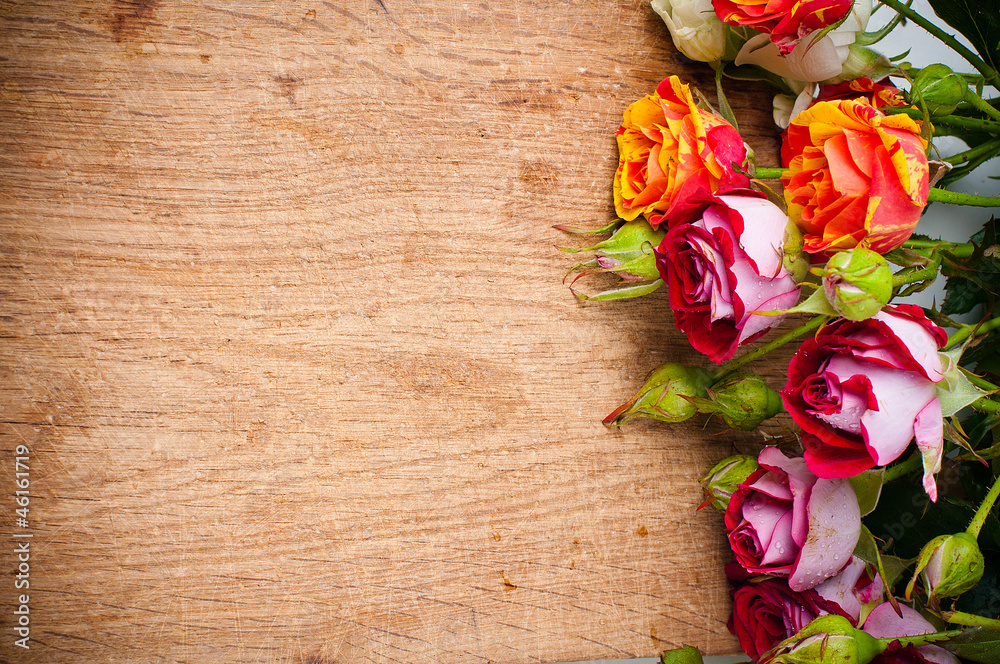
column 285, row 334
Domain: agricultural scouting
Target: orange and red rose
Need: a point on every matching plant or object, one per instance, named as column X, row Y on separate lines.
column 669, row 149
column 855, row 176
column 786, row 21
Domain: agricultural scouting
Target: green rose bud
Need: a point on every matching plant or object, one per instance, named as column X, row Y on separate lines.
column 830, row 639
column 857, row 283
column 949, row 565
column 665, row 395
column 940, row 88
column 629, row 252
column 721, row 482
column 742, row 401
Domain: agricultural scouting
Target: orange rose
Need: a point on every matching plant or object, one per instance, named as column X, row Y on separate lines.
column 855, row 176
column 669, row 149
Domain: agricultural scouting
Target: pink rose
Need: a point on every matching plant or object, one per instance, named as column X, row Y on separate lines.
column 785, row 521
column 884, row 623
column 861, row 391
column 722, row 262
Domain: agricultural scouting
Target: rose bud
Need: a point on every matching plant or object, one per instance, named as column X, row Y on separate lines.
column 884, row 623
column 669, row 149
column 695, row 29
column 785, row 521
column 628, row 252
column 862, row 390
column 949, row 565
column 722, row 481
column 722, row 263
column 941, row 89
column 829, row 639
column 854, row 176
column 857, row 283
column 663, row 395
column 742, row 401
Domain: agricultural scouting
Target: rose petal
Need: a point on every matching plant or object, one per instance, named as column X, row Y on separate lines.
column 884, row 623
column 928, row 428
column 916, row 339
column 834, row 529
column 781, row 549
column 840, row 588
column 800, row 482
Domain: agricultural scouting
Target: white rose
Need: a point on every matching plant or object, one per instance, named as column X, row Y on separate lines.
column 787, row 107
column 696, row 30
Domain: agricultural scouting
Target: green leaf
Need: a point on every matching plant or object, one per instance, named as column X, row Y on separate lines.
column 889, row 568
column 978, row 21
column 725, row 110
column 623, row 293
column 961, row 296
column 868, row 487
column 979, row 271
column 685, row 655
column 814, row 304
column 955, row 392
column 980, row 644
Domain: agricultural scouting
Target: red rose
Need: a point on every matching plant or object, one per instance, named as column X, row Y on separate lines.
column 768, row 612
column 722, row 262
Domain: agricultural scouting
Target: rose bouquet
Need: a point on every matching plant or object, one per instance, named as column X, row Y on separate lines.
column 868, row 529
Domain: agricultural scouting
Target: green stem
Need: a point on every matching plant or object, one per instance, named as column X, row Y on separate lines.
column 973, row 124
column 979, row 382
column 967, row 331
column 957, row 198
column 986, row 149
column 737, row 363
column 903, row 468
column 949, row 40
column 986, row 405
column 984, row 509
column 923, row 274
column 920, row 639
column 981, row 104
column 970, row 620
column 958, row 250
column 770, row 173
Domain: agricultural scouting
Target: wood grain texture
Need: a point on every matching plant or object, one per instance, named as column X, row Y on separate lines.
column 284, row 329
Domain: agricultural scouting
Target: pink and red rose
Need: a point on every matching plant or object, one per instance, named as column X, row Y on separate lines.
column 861, row 391
column 785, row 521
column 669, row 148
column 766, row 612
column 722, row 263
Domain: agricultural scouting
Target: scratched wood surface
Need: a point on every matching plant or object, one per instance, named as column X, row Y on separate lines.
column 284, row 330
